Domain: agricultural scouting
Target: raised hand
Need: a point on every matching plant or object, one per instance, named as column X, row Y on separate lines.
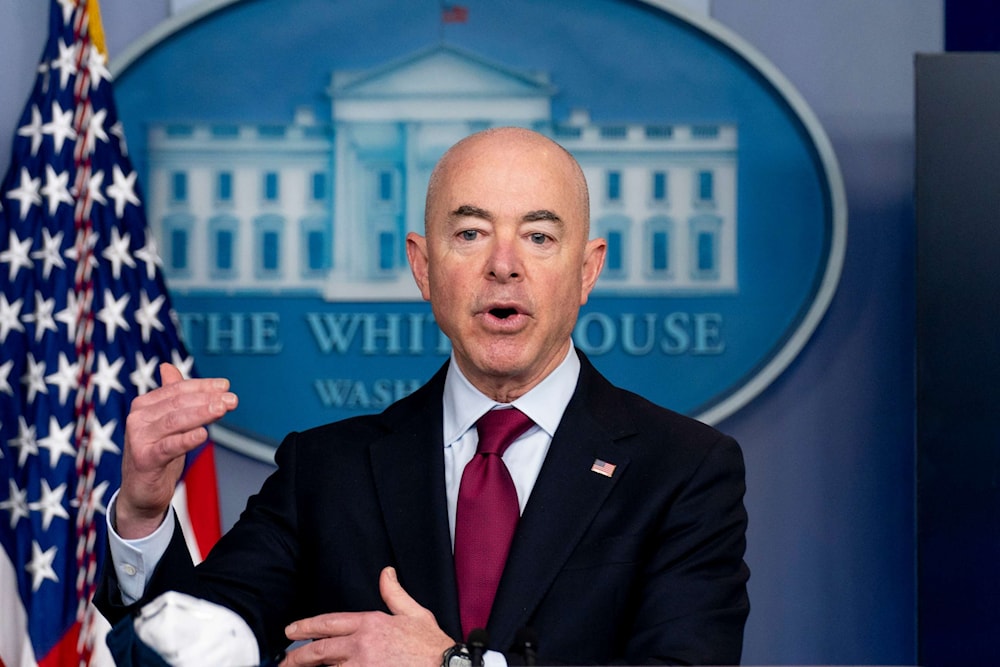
column 162, row 426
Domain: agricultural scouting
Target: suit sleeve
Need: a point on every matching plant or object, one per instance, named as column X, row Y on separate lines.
column 694, row 601
column 251, row 570
column 174, row 571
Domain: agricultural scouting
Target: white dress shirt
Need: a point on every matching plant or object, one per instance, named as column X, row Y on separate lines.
column 464, row 405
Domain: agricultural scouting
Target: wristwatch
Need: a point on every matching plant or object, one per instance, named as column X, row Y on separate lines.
column 457, row 656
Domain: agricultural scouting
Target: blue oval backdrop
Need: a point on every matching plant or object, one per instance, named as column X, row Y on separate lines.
column 284, row 147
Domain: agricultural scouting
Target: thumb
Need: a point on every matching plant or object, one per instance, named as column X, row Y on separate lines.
column 395, row 596
column 170, row 374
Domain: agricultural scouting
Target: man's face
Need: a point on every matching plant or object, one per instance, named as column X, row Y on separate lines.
column 505, row 262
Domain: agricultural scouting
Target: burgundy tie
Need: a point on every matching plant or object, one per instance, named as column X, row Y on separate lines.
column 486, row 517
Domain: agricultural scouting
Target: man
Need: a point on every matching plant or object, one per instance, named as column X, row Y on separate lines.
column 630, row 542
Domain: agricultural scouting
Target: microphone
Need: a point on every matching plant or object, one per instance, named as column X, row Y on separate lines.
column 478, row 641
column 527, row 639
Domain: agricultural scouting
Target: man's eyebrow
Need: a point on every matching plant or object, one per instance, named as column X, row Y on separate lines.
column 470, row 211
column 542, row 214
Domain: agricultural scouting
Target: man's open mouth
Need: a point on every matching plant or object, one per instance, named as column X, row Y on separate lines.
column 503, row 313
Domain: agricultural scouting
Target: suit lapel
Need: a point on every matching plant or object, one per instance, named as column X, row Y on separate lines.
column 408, row 465
column 564, row 501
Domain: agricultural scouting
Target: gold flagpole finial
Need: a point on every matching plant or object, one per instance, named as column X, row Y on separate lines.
column 95, row 27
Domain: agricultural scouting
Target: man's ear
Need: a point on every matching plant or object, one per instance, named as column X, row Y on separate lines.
column 593, row 262
column 416, row 252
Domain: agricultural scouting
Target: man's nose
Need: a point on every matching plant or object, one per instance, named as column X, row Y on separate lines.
column 504, row 262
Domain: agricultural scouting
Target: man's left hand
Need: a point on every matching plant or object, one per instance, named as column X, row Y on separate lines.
column 408, row 635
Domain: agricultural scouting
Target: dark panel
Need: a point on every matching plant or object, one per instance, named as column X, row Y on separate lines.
column 958, row 357
column 972, row 25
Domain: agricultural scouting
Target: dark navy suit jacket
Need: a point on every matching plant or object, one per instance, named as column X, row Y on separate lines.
column 644, row 566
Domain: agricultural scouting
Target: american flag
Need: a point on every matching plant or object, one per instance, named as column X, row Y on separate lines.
column 454, row 13
column 85, row 320
column 602, row 467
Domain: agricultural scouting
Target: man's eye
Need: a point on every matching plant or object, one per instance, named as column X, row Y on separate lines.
column 468, row 234
column 539, row 238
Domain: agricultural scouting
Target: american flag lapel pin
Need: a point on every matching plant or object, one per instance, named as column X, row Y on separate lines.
column 602, row 467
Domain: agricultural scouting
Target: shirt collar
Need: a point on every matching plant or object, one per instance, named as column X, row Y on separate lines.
column 544, row 403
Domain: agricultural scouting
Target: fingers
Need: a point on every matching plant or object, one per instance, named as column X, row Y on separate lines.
column 395, row 596
column 312, row 655
column 340, row 624
column 174, row 416
column 161, row 428
column 170, row 374
column 169, row 421
column 331, row 638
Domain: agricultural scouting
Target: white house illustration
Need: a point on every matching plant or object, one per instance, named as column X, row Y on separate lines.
column 323, row 207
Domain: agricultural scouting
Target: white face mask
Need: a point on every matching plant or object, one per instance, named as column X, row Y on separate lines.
column 188, row 632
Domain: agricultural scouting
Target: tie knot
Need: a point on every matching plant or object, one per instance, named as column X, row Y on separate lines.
column 498, row 428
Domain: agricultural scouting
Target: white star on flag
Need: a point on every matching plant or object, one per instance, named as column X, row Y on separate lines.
column 96, row 66
column 150, row 254
column 50, row 504
column 143, row 377
column 66, row 378
column 16, row 504
column 184, row 364
column 95, row 130
column 51, row 252
column 101, row 439
column 119, row 131
column 67, row 7
column 42, row 317
column 33, row 130
column 113, row 313
column 106, row 377
column 60, row 127
column 65, row 63
column 10, row 316
column 56, row 189
column 122, row 190
column 58, row 441
column 94, row 194
column 16, row 255
column 117, row 252
column 34, row 378
column 70, row 315
column 26, row 194
column 40, row 565
column 26, row 441
column 5, row 387
column 148, row 314
column 84, row 248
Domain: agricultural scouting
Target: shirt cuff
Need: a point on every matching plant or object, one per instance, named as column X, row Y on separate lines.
column 135, row 560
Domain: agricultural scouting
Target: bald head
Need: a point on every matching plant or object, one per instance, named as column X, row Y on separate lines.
column 512, row 142
column 505, row 260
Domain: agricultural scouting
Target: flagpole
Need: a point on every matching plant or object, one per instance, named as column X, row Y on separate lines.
column 440, row 21
column 91, row 37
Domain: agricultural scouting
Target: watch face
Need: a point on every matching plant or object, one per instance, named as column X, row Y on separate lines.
column 457, row 657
